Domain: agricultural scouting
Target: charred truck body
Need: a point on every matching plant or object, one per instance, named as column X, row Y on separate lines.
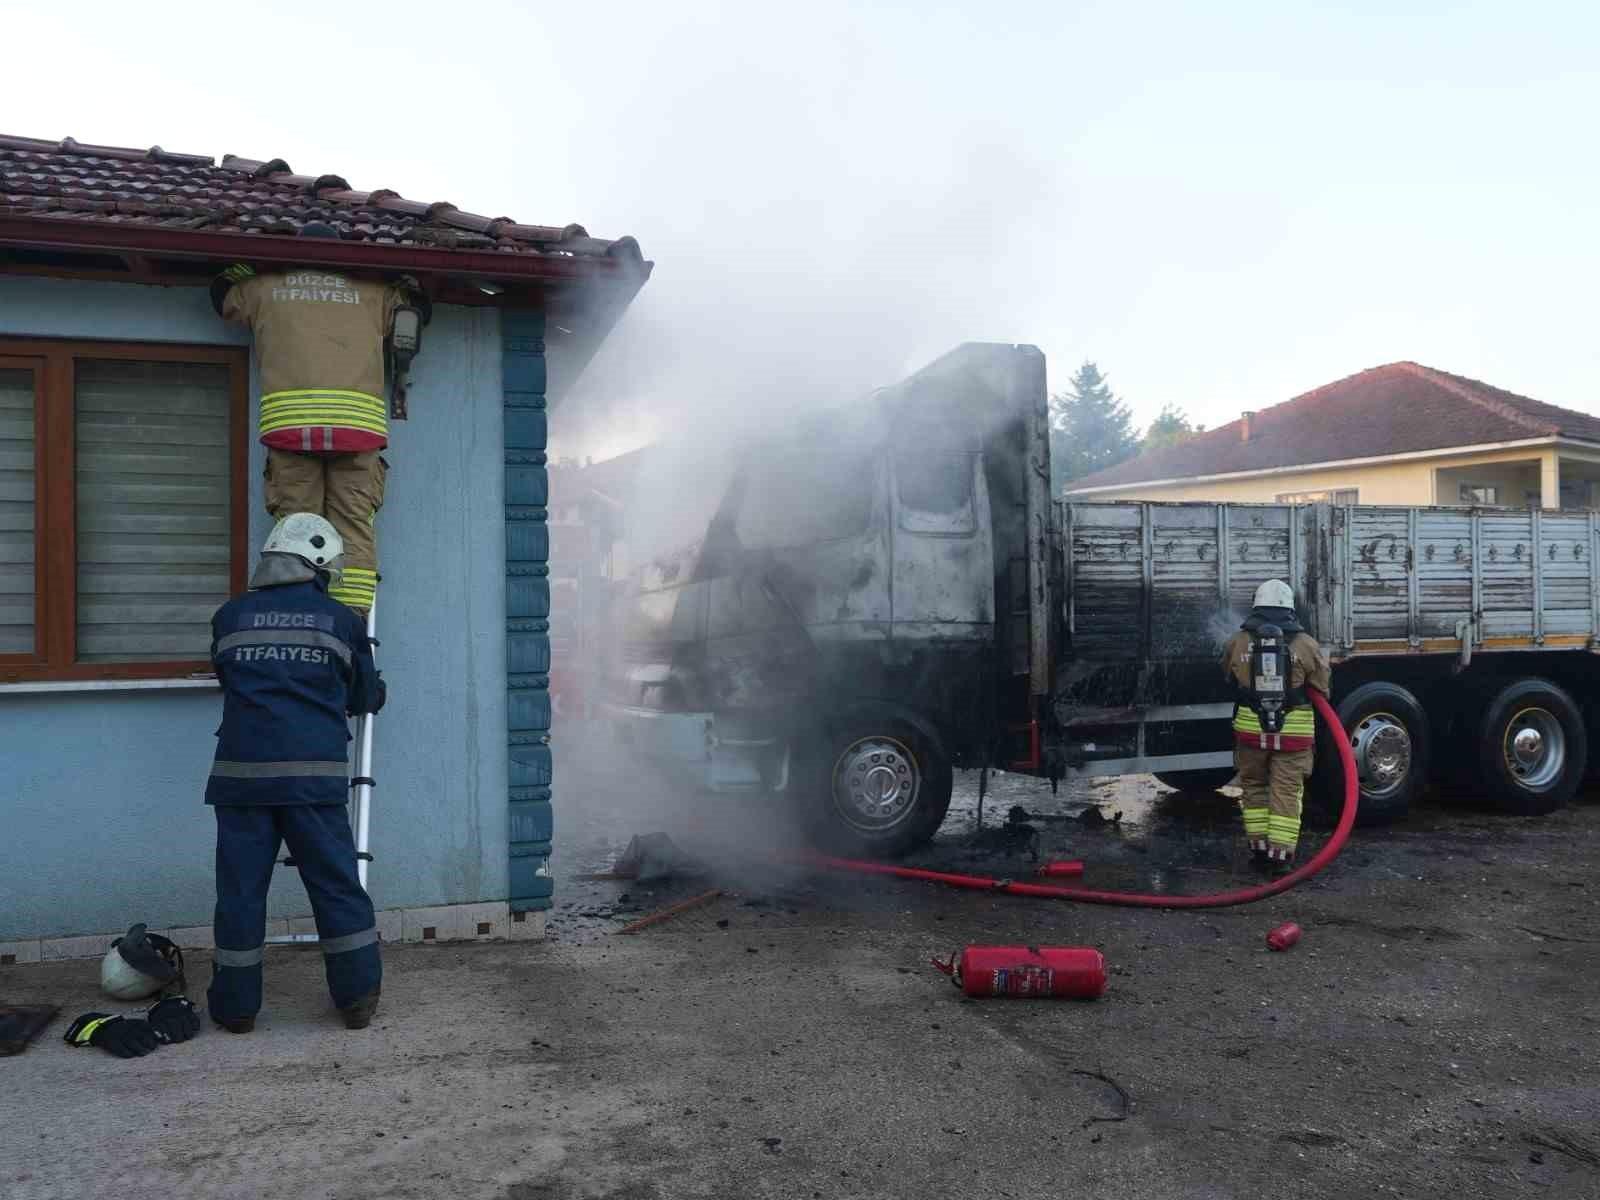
column 890, row 593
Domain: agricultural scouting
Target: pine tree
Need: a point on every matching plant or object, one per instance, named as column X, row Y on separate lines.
column 1090, row 429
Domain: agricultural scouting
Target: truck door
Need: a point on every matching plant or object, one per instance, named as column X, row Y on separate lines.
column 943, row 557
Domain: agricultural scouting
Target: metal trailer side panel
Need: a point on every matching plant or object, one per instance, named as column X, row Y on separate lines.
column 1423, row 579
column 1506, row 569
column 1381, row 568
column 1158, row 581
column 1564, row 568
column 1258, row 550
column 1107, row 579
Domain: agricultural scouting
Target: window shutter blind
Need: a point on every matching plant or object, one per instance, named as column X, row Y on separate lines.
column 16, row 511
column 152, row 508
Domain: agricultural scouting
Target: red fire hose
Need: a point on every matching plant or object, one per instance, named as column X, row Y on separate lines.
column 1324, row 856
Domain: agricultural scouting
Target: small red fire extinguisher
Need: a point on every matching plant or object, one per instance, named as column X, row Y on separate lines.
column 1283, row 936
column 1062, row 868
column 1070, row 972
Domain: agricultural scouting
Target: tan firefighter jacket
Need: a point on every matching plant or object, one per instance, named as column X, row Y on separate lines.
column 1308, row 667
column 319, row 339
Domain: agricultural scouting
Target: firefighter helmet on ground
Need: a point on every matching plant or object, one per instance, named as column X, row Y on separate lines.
column 1274, row 593
column 140, row 964
column 307, row 536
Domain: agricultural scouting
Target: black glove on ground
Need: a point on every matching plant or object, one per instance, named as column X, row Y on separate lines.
column 174, row 1019
column 115, row 1035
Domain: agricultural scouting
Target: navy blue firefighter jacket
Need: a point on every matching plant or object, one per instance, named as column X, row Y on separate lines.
column 293, row 664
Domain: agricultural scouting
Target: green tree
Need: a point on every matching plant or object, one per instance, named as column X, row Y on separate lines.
column 1090, row 429
column 1168, row 429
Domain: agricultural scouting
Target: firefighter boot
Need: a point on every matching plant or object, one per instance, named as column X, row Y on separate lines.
column 359, row 1015
column 236, row 1024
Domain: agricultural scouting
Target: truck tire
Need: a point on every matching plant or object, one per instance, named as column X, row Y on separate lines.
column 1389, row 739
column 1197, row 783
column 881, row 785
column 1532, row 747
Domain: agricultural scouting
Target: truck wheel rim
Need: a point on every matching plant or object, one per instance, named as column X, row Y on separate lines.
column 1382, row 747
column 876, row 781
column 1535, row 748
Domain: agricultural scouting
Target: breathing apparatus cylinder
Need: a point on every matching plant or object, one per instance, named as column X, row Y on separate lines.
column 1269, row 676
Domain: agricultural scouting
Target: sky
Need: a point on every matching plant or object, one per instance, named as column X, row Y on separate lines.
column 1221, row 204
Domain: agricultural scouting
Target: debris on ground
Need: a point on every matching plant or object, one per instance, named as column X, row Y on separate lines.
column 655, row 856
column 1126, row 1101
column 1091, row 816
column 21, row 1023
column 672, row 910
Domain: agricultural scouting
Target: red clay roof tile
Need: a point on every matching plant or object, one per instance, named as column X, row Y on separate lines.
column 1398, row 408
column 71, row 180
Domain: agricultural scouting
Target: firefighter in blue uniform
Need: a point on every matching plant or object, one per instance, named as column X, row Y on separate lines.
column 294, row 664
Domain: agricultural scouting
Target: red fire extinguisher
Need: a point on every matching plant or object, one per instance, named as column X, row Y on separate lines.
column 1067, row 867
column 1073, row 972
column 1284, row 936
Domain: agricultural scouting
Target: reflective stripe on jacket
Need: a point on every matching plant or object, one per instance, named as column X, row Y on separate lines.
column 320, row 420
column 1298, row 733
column 294, row 664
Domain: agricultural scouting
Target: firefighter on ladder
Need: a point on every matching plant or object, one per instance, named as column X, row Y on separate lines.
column 1271, row 661
column 319, row 340
column 293, row 665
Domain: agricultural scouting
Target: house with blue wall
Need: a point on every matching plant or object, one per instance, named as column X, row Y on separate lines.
column 130, row 509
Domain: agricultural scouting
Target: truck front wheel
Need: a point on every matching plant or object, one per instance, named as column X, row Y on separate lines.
column 884, row 785
column 1532, row 747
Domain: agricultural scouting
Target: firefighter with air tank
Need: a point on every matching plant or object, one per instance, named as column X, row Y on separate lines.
column 1271, row 661
column 322, row 341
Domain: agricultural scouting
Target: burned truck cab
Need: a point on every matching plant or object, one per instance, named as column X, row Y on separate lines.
column 854, row 621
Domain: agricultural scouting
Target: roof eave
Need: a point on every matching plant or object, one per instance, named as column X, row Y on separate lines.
column 131, row 238
column 1548, row 439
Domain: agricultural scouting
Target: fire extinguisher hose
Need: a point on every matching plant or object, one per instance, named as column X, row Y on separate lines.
column 1330, row 851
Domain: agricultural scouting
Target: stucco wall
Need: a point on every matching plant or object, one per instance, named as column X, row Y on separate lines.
column 100, row 794
column 1379, row 483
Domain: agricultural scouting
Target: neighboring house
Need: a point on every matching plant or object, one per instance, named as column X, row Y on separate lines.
column 130, row 508
column 1397, row 434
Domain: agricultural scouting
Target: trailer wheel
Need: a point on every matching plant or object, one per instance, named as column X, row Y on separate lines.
column 1532, row 747
column 1197, row 783
column 1389, row 739
column 884, row 784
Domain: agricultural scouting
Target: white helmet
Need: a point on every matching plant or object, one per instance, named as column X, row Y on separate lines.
column 307, row 536
column 1274, row 593
column 140, row 964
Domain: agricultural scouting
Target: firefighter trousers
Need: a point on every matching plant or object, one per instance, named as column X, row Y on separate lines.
column 320, row 842
column 348, row 490
column 1273, row 782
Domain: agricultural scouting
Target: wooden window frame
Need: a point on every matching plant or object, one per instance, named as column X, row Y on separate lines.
column 55, row 595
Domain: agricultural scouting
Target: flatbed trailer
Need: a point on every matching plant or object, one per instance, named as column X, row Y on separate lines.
column 1428, row 614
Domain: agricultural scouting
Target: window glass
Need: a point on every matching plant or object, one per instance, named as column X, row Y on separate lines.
column 935, row 490
column 805, row 497
column 153, row 508
column 1327, row 496
column 17, row 516
column 1479, row 493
